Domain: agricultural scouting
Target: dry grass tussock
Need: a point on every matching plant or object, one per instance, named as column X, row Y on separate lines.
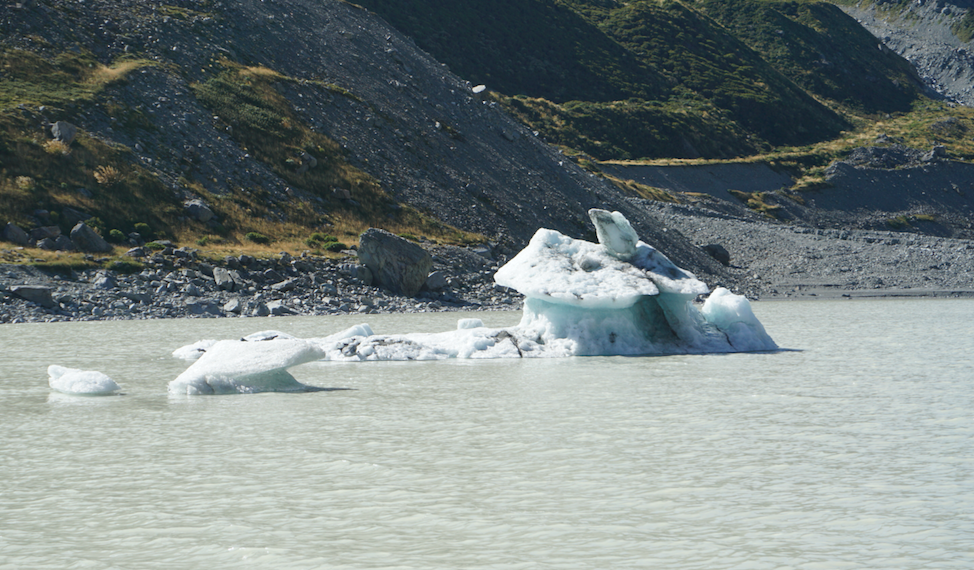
column 106, row 75
column 107, row 175
column 57, row 148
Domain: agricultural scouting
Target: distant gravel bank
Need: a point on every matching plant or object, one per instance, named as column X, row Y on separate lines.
column 776, row 260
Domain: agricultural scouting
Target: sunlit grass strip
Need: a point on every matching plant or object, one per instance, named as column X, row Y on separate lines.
column 29, row 79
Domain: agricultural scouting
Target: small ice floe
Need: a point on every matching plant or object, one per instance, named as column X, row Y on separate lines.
column 616, row 297
column 469, row 324
column 255, row 363
column 80, row 382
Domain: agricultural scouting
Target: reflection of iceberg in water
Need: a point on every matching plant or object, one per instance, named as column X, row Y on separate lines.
column 618, row 297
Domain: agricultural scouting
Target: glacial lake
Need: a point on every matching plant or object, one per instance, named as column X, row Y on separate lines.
column 854, row 450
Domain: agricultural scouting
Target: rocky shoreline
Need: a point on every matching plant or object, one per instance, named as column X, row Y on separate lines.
column 769, row 261
column 179, row 283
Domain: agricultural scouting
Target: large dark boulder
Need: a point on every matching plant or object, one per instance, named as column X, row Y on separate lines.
column 198, row 210
column 396, row 264
column 14, row 234
column 64, row 131
column 718, row 252
column 87, row 239
column 44, row 232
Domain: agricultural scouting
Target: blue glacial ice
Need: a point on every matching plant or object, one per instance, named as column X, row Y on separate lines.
column 618, row 297
column 80, row 382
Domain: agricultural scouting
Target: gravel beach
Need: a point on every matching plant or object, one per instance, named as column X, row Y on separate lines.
column 780, row 261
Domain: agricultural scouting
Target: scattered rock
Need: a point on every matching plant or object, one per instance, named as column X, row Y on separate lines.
column 47, row 244
column 63, row 243
column 201, row 306
column 278, row 309
column 285, row 286
column 72, row 216
column 44, row 232
column 64, row 131
column 233, row 306
column 436, row 281
column 361, row 273
column 938, row 152
column 198, row 210
column 104, row 281
column 223, row 279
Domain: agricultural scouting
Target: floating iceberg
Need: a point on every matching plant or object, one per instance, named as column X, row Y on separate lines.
column 617, row 297
column 255, row 363
column 80, row 382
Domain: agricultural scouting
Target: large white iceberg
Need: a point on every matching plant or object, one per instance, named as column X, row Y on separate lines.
column 617, row 297
column 80, row 382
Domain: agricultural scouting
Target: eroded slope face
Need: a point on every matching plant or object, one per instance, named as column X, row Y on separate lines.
column 334, row 71
column 934, row 36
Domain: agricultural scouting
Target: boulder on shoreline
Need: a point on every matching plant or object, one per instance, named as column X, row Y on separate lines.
column 86, row 239
column 396, row 263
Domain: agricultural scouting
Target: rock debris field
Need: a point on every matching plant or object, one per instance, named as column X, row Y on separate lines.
column 774, row 261
column 179, row 283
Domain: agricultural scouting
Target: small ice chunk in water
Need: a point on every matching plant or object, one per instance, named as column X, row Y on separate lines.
column 469, row 324
column 732, row 315
column 80, row 382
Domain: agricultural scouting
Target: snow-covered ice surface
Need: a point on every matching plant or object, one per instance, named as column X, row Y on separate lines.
column 255, row 363
column 617, row 297
column 80, row 382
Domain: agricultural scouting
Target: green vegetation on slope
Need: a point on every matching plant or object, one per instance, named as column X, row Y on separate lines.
column 649, row 78
column 336, row 194
column 713, row 64
column 29, row 79
column 103, row 182
column 36, row 173
column 821, row 49
column 537, row 48
column 634, row 128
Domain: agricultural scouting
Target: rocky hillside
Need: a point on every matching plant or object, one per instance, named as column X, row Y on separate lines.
column 283, row 119
column 934, row 35
column 680, row 79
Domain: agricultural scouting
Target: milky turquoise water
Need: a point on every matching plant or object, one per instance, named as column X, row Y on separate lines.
column 854, row 451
